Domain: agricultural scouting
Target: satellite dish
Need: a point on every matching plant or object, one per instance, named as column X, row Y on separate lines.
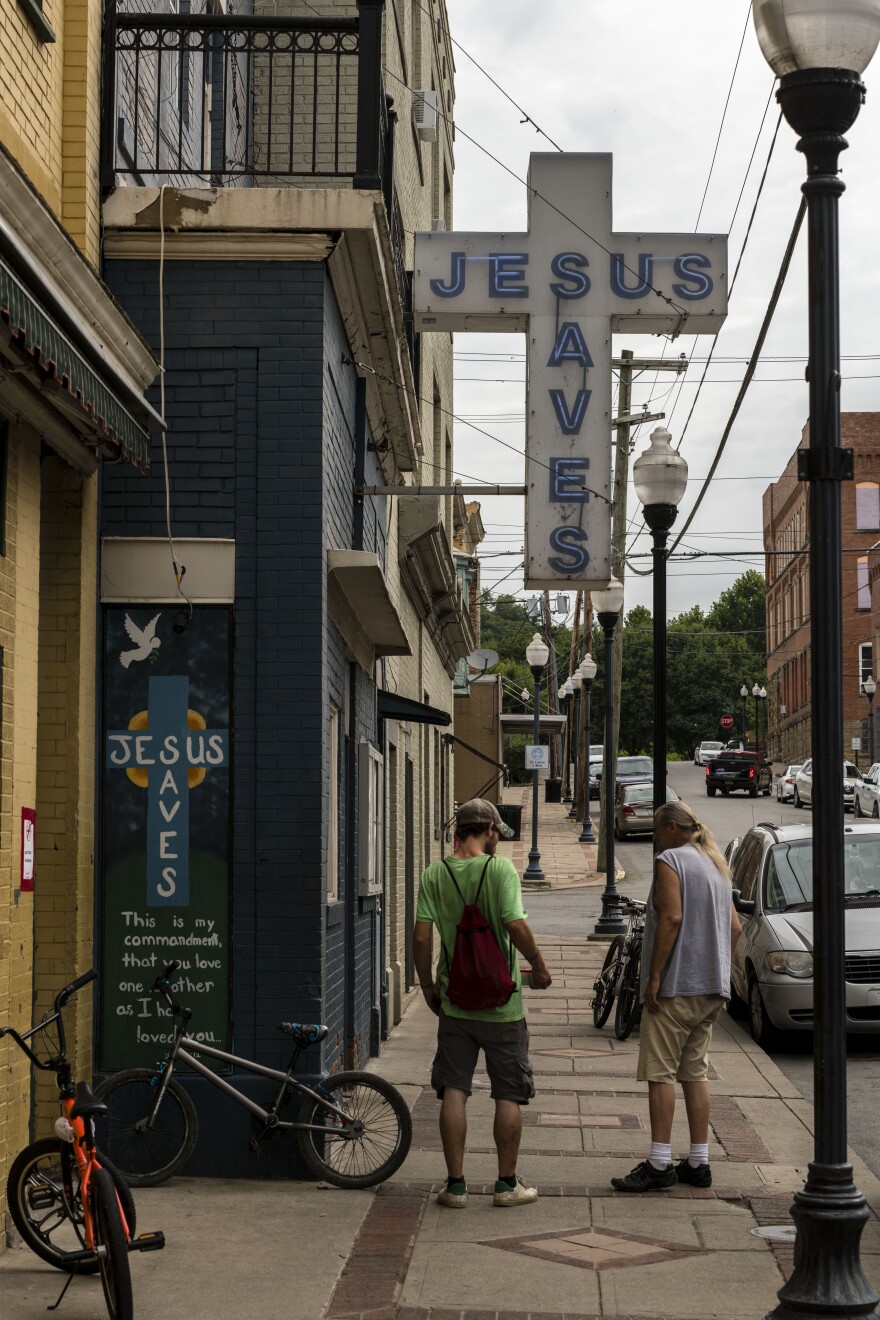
column 482, row 660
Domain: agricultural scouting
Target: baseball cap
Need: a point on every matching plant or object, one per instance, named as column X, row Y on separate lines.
column 478, row 811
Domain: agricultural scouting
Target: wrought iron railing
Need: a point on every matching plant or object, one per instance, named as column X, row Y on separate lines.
column 249, row 100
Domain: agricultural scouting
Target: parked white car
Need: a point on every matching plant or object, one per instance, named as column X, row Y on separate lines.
column 785, row 784
column 707, row 751
column 803, row 784
column 867, row 795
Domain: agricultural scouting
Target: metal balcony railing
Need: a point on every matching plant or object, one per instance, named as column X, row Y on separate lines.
column 249, row 100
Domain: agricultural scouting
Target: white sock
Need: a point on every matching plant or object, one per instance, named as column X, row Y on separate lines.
column 660, row 1156
column 698, row 1155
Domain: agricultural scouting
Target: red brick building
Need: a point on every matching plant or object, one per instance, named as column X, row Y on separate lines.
column 786, row 545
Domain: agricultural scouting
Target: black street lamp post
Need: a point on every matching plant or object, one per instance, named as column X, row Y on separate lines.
column 660, row 479
column 870, row 688
column 575, row 682
column 607, row 605
column 760, row 695
column 818, row 49
column 562, row 694
column 588, row 673
column 537, row 654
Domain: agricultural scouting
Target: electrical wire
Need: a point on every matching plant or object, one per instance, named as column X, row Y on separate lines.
column 724, row 115
column 178, row 569
column 751, row 368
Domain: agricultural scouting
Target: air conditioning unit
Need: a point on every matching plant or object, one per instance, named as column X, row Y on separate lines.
column 438, row 225
column 425, row 115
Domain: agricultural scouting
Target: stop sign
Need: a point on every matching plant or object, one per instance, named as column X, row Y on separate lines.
column 726, row 721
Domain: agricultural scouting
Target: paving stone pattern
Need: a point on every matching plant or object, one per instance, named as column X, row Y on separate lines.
column 583, row 1250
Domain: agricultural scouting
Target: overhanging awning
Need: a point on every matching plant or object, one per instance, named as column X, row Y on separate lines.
column 78, row 388
column 358, row 575
column 394, row 707
column 525, row 723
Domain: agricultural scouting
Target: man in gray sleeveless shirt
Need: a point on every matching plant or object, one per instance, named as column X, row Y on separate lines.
column 691, row 928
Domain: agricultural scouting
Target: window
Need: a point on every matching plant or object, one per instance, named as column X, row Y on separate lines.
column 371, row 820
column 333, row 809
column 747, row 866
column 868, row 505
column 866, row 662
column 864, row 591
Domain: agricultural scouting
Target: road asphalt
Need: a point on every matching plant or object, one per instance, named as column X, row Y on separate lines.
column 244, row 1250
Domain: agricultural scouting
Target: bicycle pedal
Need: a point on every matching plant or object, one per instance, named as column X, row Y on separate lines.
column 254, row 1146
column 42, row 1196
column 147, row 1242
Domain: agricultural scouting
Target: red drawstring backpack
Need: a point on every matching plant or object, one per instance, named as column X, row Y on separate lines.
column 479, row 976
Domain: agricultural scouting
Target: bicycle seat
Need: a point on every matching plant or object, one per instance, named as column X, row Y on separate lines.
column 87, row 1103
column 304, row 1033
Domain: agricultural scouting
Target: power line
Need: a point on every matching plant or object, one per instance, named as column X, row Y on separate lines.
column 724, row 116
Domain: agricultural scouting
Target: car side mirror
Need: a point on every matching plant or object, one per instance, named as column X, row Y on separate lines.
column 745, row 906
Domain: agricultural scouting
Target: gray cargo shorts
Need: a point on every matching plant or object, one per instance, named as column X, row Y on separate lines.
column 506, row 1047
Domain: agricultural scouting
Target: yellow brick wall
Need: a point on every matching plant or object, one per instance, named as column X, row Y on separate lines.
column 65, row 758
column 19, row 593
column 50, row 110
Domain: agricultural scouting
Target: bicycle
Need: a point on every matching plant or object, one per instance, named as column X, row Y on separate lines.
column 610, row 980
column 69, row 1203
column 628, row 1013
column 353, row 1129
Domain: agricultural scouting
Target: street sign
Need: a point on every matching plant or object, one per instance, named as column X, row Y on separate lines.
column 726, row 721
column 857, row 744
column 537, row 758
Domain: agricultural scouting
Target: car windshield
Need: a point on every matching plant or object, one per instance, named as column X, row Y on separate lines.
column 850, row 771
column 640, row 793
column 635, row 765
column 788, row 879
column 792, row 769
column 711, row 746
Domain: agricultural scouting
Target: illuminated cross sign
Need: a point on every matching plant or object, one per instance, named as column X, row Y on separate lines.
column 569, row 283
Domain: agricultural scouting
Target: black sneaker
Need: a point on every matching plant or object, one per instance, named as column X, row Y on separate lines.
column 701, row 1176
column 645, row 1178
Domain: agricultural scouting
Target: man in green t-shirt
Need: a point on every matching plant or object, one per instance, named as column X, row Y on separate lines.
column 500, row 1032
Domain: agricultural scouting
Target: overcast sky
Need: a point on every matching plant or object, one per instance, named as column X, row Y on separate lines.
column 648, row 82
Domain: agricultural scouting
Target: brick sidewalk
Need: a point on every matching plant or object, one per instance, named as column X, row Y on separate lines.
column 564, row 860
column 584, row 1251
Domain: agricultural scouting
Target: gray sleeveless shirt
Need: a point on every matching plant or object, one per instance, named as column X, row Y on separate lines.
column 700, row 960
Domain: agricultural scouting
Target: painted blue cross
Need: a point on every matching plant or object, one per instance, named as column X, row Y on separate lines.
column 167, row 750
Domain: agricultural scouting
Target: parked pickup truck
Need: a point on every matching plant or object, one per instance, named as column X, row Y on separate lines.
column 733, row 772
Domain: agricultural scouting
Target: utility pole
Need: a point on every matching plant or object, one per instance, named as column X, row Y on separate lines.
column 626, row 364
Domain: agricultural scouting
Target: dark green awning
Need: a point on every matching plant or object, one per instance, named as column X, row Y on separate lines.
column 394, row 707
column 55, row 358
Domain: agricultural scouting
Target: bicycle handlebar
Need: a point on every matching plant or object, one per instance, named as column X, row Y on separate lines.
column 63, row 995
column 162, row 987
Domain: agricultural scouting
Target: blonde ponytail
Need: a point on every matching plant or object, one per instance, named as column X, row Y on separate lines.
column 702, row 837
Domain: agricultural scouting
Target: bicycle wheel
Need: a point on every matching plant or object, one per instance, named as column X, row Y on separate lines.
column 629, row 1009
column 110, row 1245
column 604, row 988
column 39, row 1205
column 146, row 1156
column 369, row 1147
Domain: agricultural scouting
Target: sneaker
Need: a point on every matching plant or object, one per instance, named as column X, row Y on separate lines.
column 645, row 1178
column 453, row 1200
column 701, row 1176
column 521, row 1194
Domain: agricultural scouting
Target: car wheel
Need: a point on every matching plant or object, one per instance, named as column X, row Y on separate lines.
column 762, row 1030
column 710, row 792
column 753, row 792
column 725, row 792
column 875, row 814
column 797, row 798
column 857, row 808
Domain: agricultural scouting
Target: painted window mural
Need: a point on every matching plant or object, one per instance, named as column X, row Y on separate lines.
column 166, row 824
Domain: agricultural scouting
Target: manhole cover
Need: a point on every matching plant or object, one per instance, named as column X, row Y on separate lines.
column 775, row 1232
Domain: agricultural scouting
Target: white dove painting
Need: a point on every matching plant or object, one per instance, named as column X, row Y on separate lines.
column 145, row 641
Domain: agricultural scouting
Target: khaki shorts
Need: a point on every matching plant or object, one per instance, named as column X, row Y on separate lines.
column 506, row 1047
column 674, row 1042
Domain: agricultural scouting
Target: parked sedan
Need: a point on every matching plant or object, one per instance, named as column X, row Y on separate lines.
column 866, row 801
column 596, row 754
column 772, row 967
column 707, row 751
column 630, row 770
column 785, row 784
column 634, row 808
column 803, row 784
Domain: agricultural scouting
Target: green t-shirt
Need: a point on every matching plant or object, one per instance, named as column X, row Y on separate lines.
column 500, row 902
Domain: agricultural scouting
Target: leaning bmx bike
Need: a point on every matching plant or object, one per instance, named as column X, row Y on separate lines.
column 352, row 1129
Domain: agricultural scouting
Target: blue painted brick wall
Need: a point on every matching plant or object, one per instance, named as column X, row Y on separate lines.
column 261, row 448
